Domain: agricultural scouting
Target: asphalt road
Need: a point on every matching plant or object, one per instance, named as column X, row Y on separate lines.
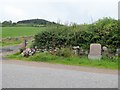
column 23, row 76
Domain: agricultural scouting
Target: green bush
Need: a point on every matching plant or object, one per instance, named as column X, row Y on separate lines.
column 65, row 52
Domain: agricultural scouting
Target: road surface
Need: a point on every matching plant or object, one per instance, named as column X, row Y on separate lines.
column 36, row 75
column 4, row 51
column 32, row 76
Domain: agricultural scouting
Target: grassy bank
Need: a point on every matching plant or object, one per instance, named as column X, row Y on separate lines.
column 77, row 61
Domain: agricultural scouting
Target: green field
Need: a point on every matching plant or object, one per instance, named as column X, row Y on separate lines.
column 13, row 32
column 20, row 31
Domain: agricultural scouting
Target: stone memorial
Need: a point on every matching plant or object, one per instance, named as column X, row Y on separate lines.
column 95, row 51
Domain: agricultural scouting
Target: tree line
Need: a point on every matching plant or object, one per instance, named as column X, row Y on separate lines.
column 31, row 22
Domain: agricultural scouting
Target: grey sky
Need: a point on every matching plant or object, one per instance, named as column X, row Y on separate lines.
column 79, row 11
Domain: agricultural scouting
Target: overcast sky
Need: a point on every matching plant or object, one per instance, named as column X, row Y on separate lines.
column 65, row 11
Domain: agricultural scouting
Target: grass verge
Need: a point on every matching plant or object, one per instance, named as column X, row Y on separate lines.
column 77, row 61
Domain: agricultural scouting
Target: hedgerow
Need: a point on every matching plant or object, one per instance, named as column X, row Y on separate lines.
column 104, row 31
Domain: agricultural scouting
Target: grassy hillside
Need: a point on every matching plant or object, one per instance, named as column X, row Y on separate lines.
column 20, row 31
